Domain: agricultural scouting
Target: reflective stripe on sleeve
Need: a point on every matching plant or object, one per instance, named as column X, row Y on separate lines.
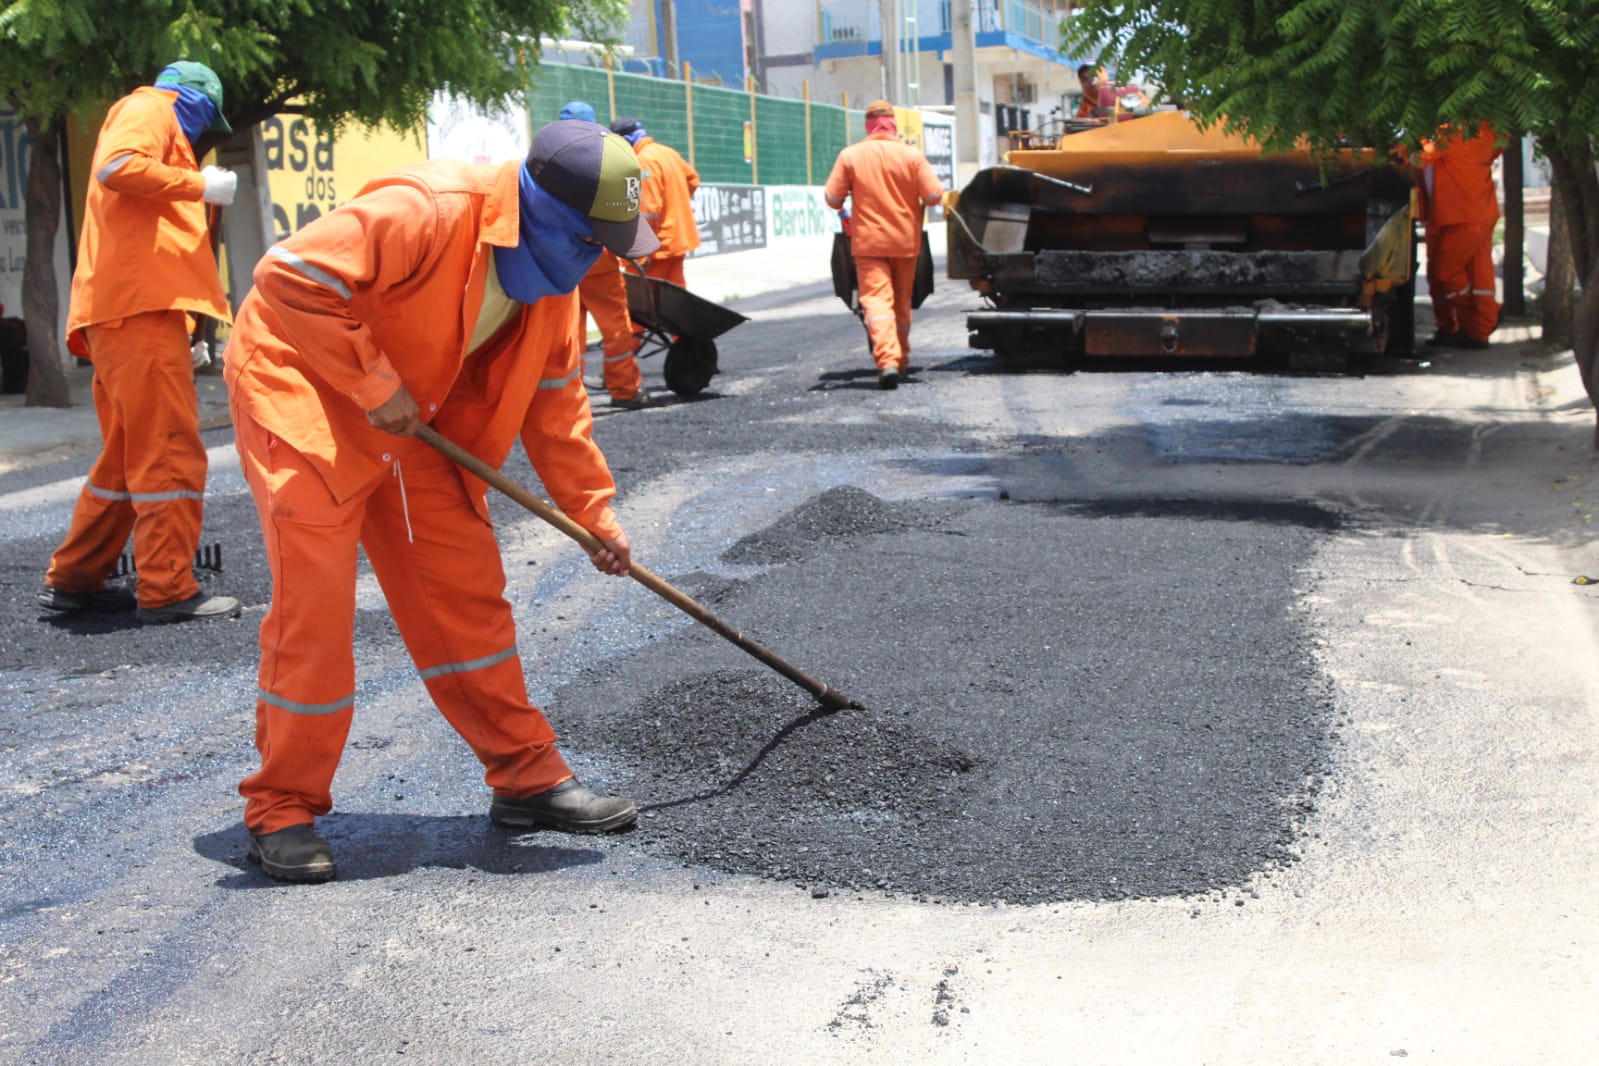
column 469, row 665
column 560, row 382
column 305, row 708
column 315, row 273
column 112, row 167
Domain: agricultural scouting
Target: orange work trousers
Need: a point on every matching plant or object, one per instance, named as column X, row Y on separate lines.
column 667, row 268
column 439, row 566
column 1460, row 278
column 885, row 285
column 150, row 477
column 603, row 294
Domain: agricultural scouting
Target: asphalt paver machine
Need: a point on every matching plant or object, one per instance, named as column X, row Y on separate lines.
column 1159, row 239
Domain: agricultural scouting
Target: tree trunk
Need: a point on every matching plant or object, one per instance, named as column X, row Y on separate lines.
column 1510, row 269
column 1559, row 289
column 1577, row 181
column 41, row 306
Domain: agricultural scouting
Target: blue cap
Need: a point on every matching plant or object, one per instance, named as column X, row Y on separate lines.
column 577, row 109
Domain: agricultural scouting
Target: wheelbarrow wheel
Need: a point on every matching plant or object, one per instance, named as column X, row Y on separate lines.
column 690, row 365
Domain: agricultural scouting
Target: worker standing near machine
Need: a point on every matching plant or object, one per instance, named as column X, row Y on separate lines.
column 890, row 185
column 1462, row 212
column 603, row 295
column 145, row 266
column 668, row 201
column 440, row 294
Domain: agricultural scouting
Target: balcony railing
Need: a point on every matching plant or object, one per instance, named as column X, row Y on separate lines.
column 850, row 21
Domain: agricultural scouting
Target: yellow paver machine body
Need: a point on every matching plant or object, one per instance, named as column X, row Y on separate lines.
column 1155, row 238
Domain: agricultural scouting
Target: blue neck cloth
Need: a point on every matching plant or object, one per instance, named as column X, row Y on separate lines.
column 636, row 136
column 194, row 108
column 551, row 258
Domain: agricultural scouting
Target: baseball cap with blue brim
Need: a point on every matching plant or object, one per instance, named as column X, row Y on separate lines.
column 586, row 167
column 202, row 79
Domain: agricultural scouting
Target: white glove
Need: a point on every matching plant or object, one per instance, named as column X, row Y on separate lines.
column 220, row 185
column 201, row 354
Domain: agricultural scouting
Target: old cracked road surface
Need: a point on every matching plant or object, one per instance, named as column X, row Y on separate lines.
column 1210, row 717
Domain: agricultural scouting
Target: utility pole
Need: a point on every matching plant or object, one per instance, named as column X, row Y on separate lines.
column 963, row 61
column 668, row 42
column 888, row 28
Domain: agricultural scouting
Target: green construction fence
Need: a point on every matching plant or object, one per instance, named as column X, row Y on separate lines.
column 716, row 143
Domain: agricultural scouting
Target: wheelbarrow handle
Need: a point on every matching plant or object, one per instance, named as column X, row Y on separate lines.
column 829, row 697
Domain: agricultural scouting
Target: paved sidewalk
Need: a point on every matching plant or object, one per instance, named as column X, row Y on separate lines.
column 33, row 435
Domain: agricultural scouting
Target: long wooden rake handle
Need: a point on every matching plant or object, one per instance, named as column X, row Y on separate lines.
column 830, row 698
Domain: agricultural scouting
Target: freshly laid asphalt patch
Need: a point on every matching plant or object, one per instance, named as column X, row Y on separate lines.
column 1129, row 707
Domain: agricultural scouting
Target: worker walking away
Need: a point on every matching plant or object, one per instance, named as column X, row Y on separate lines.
column 889, row 185
column 439, row 294
column 145, row 266
column 603, row 295
column 668, row 200
column 1462, row 213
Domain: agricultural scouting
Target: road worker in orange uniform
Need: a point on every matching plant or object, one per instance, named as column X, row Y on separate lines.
column 668, row 205
column 440, row 294
column 1090, row 77
column 603, row 295
column 145, row 266
column 890, row 184
column 1462, row 212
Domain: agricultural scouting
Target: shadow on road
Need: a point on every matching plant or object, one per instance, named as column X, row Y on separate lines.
column 369, row 846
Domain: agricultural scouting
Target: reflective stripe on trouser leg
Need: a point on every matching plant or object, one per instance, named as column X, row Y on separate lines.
column 1479, row 308
column 445, row 589
column 307, row 677
column 1460, row 259
column 604, row 297
column 885, row 295
column 149, row 478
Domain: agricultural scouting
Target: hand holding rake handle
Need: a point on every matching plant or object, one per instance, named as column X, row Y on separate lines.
column 829, row 697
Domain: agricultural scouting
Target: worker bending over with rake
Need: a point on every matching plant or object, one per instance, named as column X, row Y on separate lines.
column 440, row 294
column 890, row 184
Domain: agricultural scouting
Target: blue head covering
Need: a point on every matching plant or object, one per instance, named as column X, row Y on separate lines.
column 552, row 257
column 197, row 112
column 577, row 109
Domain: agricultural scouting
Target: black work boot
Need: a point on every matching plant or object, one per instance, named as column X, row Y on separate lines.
column 294, row 854
column 108, row 599
column 568, row 806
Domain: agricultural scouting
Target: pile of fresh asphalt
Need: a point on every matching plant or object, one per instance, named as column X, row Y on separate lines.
column 1127, row 708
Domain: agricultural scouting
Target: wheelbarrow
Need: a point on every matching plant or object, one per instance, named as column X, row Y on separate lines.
column 682, row 325
column 847, row 288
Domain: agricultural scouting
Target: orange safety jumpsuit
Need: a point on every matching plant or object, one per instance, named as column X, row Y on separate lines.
column 387, row 290
column 1463, row 210
column 144, row 264
column 889, row 183
column 603, row 295
column 667, row 201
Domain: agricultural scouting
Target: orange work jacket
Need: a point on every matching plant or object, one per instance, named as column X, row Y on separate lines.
column 889, row 183
column 385, row 290
column 1461, row 185
column 145, row 244
column 667, row 199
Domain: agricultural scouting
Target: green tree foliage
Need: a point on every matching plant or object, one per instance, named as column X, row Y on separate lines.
column 367, row 61
column 1383, row 72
